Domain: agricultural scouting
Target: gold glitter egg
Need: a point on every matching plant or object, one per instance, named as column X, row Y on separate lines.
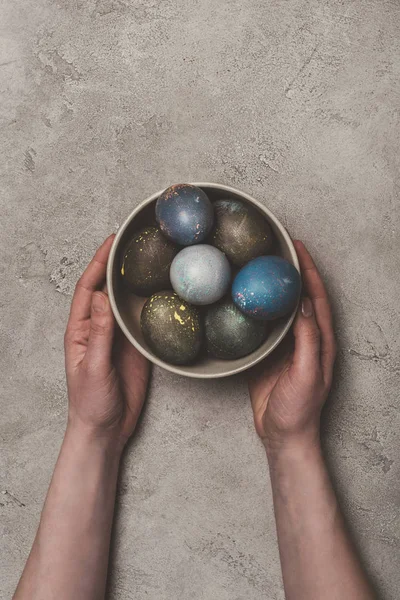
column 172, row 328
column 146, row 261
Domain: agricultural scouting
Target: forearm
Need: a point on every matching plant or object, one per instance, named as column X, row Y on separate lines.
column 318, row 559
column 70, row 554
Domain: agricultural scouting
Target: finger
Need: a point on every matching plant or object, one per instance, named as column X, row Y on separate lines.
column 132, row 365
column 306, row 358
column 265, row 373
column 268, row 365
column 133, row 369
column 92, row 279
column 315, row 289
column 101, row 336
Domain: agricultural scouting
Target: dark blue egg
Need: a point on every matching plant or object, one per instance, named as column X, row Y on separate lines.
column 185, row 214
column 268, row 287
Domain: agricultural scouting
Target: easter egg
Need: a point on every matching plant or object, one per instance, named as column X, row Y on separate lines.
column 172, row 328
column 184, row 214
column 146, row 262
column 240, row 231
column 268, row 287
column 200, row 274
column 229, row 333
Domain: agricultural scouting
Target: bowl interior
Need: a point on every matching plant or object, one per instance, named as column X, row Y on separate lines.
column 127, row 307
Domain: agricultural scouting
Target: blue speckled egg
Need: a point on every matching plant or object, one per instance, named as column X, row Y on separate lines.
column 185, row 214
column 268, row 287
column 200, row 274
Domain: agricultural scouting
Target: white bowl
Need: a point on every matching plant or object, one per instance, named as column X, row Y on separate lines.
column 127, row 307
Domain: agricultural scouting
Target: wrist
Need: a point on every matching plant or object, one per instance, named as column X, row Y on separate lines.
column 93, row 440
column 292, row 447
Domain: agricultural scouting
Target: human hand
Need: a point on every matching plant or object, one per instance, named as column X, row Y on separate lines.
column 287, row 394
column 106, row 376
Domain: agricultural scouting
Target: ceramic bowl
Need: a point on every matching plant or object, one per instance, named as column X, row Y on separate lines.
column 127, row 307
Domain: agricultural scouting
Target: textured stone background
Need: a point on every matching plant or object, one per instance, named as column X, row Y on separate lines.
column 296, row 102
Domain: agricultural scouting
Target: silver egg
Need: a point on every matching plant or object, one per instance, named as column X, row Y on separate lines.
column 200, row 274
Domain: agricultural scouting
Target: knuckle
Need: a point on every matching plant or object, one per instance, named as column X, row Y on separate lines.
column 80, row 284
column 97, row 328
column 88, row 368
column 313, row 335
column 100, row 327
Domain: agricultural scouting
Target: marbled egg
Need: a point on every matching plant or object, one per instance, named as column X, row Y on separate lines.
column 267, row 287
column 184, row 214
column 229, row 333
column 172, row 328
column 240, row 231
column 200, row 274
column 147, row 260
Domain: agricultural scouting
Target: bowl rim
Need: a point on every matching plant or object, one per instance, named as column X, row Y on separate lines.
column 176, row 368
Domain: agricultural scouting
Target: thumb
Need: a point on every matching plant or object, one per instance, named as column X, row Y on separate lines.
column 306, row 358
column 101, row 333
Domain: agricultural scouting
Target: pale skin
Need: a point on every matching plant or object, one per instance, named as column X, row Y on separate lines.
column 107, row 382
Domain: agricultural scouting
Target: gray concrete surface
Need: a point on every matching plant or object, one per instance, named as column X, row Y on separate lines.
column 104, row 102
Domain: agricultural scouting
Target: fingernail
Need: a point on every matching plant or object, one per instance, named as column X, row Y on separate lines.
column 98, row 303
column 307, row 307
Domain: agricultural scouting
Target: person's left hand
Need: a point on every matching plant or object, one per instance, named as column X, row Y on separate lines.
column 106, row 376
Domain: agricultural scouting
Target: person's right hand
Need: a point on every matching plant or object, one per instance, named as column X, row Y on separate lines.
column 287, row 395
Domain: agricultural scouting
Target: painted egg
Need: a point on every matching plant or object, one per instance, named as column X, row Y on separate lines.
column 240, row 231
column 146, row 262
column 268, row 287
column 229, row 333
column 200, row 274
column 184, row 214
column 172, row 328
